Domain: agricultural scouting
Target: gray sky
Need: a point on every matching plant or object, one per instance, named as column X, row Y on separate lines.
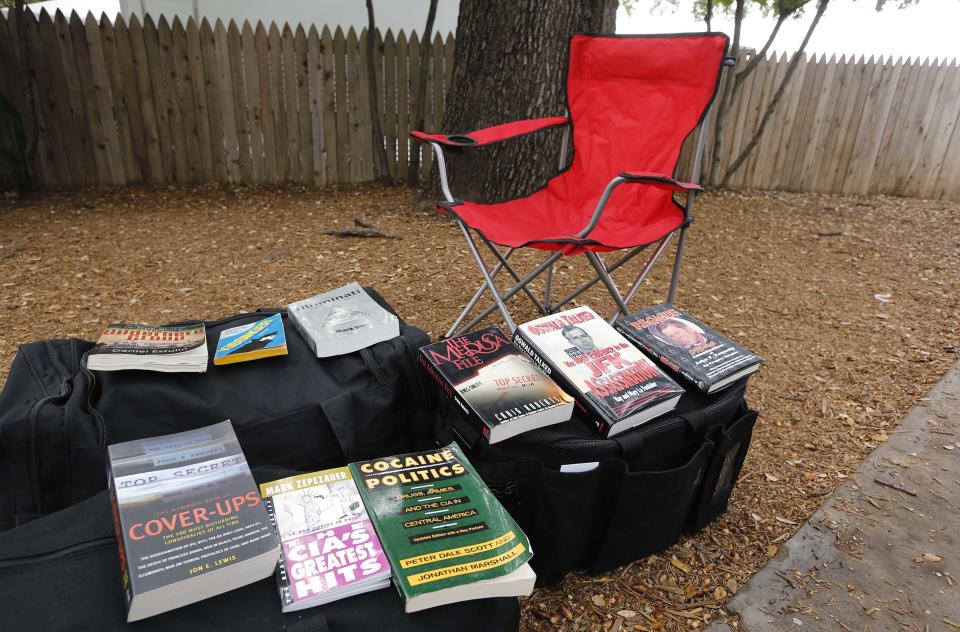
column 850, row 27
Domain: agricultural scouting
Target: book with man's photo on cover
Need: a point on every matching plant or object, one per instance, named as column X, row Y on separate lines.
column 613, row 382
column 500, row 390
column 687, row 348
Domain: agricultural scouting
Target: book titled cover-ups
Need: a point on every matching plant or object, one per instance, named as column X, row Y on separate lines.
column 189, row 521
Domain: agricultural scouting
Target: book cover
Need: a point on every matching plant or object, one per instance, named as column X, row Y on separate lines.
column 440, row 525
column 493, row 383
column 688, row 348
column 262, row 339
column 610, row 378
column 139, row 339
column 328, row 543
column 342, row 320
column 185, row 506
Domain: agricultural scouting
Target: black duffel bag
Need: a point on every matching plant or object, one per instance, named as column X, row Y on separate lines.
column 294, row 411
column 62, row 572
column 649, row 485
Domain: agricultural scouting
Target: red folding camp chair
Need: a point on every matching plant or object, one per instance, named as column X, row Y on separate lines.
column 632, row 100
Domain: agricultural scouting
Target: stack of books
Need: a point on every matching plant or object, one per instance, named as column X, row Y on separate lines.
column 614, row 384
column 189, row 521
column 342, row 321
column 168, row 348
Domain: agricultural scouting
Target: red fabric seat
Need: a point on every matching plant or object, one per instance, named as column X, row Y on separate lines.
column 632, row 101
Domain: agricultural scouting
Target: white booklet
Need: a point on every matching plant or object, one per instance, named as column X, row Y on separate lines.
column 342, row 321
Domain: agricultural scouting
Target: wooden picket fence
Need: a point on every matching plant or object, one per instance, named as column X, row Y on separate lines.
column 168, row 102
column 182, row 103
column 849, row 126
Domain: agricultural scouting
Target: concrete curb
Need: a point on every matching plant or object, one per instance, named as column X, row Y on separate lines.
column 858, row 563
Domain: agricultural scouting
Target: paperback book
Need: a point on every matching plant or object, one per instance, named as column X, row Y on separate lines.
column 329, row 549
column 342, row 321
column 169, row 348
column 612, row 381
column 446, row 536
column 687, row 348
column 189, row 521
column 262, row 339
column 500, row 391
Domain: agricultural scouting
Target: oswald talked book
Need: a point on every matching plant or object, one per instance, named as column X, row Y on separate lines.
column 612, row 381
column 688, row 348
column 189, row 521
column 498, row 388
column 446, row 536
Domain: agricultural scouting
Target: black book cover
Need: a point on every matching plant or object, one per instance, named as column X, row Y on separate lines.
column 610, row 378
column 489, row 379
column 687, row 347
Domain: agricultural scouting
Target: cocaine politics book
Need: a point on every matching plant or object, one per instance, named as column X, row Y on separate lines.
column 613, row 382
column 500, row 391
column 447, row 537
column 688, row 348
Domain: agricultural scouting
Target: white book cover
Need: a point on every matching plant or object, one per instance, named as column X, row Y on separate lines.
column 339, row 318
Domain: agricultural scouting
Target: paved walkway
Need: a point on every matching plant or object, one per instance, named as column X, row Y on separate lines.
column 884, row 552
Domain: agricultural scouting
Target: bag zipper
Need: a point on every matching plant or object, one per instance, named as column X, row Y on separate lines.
column 67, row 550
column 64, row 390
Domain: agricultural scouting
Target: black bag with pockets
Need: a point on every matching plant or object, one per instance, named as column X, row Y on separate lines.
column 294, row 411
column 647, row 487
column 62, row 572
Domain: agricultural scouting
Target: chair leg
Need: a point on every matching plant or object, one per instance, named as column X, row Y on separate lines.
column 486, row 277
column 643, row 274
column 509, row 293
column 513, row 273
column 676, row 265
column 607, row 279
column 546, row 290
column 476, row 296
column 586, row 285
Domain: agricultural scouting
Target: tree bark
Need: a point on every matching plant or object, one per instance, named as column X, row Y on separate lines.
column 381, row 166
column 772, row 107
column 509, row 65
column 420, row 108
column 726, row 98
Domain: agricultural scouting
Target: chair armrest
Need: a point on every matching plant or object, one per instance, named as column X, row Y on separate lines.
column 660, row 181
column 657, row 180
column 493, row 134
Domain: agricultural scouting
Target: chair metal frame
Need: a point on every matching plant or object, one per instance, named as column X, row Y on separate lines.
column 603, row 271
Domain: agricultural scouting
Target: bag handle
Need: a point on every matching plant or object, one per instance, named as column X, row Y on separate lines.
column 316, row 623
column 337, row 411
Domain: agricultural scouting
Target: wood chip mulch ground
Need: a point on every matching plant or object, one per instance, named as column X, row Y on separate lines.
column 852, row 301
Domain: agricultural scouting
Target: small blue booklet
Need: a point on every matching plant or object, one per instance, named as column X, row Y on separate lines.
column 262, row 339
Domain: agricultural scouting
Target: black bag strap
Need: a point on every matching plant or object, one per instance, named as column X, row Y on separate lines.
column 316, row 623
column 338, row 412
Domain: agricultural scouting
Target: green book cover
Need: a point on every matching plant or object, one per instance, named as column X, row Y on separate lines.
column 441, row 527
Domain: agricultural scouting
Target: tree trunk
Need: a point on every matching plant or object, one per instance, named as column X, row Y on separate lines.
column 381, row 166
column 509, row 65
column 772, row 106
column 726, row 98
column 420, row 105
